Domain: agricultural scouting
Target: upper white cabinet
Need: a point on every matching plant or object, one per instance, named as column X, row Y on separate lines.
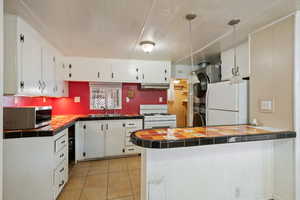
column 125, row 71
column 117, row 70
column 29, row 61
column 155, row 72
column 87, row 69
column 242, row 59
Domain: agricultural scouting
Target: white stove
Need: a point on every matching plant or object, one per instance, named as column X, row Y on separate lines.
column 156, row 116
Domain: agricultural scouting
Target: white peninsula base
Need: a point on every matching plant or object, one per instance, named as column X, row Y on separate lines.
column 259, row 170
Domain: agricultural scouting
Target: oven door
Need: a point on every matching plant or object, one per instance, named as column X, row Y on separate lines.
column 42, row 116
column 160, row 124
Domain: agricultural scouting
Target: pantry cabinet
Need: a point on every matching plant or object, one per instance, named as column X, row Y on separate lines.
column 105, row 138
column 242, row 60
column 29, row 61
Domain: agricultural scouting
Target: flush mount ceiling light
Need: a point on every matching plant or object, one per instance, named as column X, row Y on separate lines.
column 147, row 46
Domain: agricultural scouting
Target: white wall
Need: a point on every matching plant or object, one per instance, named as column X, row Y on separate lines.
column 1, row 94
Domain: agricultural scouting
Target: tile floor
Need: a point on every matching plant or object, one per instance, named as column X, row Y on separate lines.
column 115, row 179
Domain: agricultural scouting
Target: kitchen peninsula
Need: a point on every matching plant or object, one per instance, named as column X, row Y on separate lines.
column 222, row 162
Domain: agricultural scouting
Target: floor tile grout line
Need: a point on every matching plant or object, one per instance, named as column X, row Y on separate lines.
column 81, row 191
column 130, row 182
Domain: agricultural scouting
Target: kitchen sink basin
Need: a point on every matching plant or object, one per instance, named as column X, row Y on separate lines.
column 104, row 115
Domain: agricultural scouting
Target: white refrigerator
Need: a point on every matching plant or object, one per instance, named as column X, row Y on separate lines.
column 226, row 103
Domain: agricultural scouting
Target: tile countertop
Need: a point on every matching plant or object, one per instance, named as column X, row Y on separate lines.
column 185, row 137
column 60, row 122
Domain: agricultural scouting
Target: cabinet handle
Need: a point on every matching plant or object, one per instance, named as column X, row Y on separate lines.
column 62, row 142
column 62, row 183
column 112, row 75
column 165, row 71
column 62, row 169
column 137, row 69
column 22, row 84
column 70, row 66
column 62, row 155
column 40, row 85
column 137, row 78
column 106, row 126
column 131, row 149
column 98, row 75
column 70, row 75
column 44, row 85
column 143, row 76
column 166, row 79
column 101, row 127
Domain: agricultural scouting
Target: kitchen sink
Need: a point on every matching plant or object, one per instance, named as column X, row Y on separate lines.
column 104, row 115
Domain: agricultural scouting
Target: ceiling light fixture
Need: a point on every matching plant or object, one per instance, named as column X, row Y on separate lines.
column 236, row 78
column 147, row 46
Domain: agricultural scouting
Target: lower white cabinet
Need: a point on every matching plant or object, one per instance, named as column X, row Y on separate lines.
column 93, row 139
column 105, row 138
column 35, row 168
column 114, row 137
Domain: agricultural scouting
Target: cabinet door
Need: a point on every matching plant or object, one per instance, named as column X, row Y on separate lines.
column 82, row 70
column 242, row 59
column 93, row 139
column 155, row 72
column 61, row 86
column 227, row 58
column 114, row 138
column 124, row 71
column 30, row 53
column 48, row 72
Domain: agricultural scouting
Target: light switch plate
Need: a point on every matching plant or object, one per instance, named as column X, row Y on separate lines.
column 266, row 105
column 76, row 99
column 127, row 100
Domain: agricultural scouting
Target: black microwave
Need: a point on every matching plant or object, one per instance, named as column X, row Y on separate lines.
column 26, row 117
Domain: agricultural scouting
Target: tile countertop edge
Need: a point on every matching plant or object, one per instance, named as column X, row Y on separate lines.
column 12, row 134
column 209, row 140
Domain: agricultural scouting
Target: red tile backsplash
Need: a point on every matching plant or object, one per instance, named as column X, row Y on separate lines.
column 64, row 106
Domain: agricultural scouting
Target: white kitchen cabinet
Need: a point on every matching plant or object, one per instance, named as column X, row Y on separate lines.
column 29, row 67
column 130, row 127
column 114, row 138
column 155, row 72
column 88, row 69
column 48, row 72
column 105, row 138
column 22, row 57
column 35, row 164
column 242, row 60
column 125, row 71
column 62, row 86
column 94, row 134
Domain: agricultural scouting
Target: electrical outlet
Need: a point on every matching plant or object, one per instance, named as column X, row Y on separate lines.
column 127, row 100
column 267, row 105
column 44, row 99
column 76, row 99
column 160, row 99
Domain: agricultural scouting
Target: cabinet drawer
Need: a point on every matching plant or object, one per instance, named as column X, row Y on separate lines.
column 60, row 177
column 128, row 142
column 61, row 155
column 132, row 124
column 132, row 150
column 60, row 143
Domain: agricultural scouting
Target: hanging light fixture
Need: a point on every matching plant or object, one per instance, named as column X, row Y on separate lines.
column 147, row 46
column 190, row 18
column 236, row 78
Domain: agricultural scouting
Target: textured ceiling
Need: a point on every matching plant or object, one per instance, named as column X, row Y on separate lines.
column 114, row 28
